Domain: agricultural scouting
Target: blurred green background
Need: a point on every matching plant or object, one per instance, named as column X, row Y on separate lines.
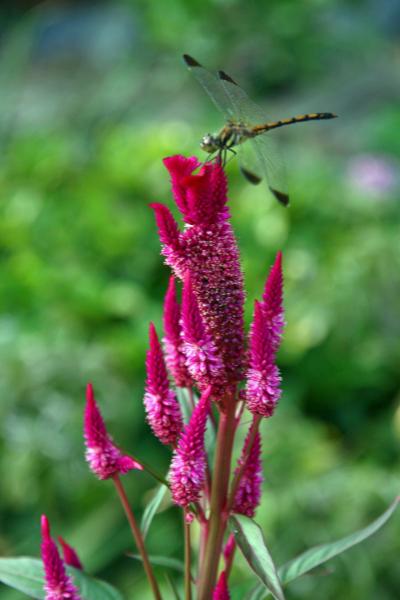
column 93, row 96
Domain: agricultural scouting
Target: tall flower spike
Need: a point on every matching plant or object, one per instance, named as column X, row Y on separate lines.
column 272, row 301
column 248, row 493
column 207, row 249
column 202, row 359
column 162, row 407
column 188, row 466
column 263, row 378
column 71, row 558
column 104, row 458
column 58, row 585
column 221, row 591
column 174, row 357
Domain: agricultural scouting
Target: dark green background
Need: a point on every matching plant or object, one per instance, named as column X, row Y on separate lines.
column 93, row 96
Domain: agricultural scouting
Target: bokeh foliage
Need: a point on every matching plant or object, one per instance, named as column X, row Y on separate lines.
column 93, row 96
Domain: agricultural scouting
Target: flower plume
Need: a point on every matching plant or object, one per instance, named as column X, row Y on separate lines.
column 188, row 466
column 104, row 458
column 162, row 407
column 248, row 493
column 58, row 585
column 221, row 591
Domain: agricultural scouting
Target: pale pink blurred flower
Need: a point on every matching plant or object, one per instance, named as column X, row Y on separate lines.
column 373, row 174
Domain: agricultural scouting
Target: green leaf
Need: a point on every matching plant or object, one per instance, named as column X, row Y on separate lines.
column 316, row 556
column 26, row 575
column 162, row 561
column 250, row 540
column 151, row 509
column 172, row 585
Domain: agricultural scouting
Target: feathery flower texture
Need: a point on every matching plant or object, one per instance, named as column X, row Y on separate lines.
column 263, row 378
column 248, row 494
column 221, row 591
column 162, row 407
column 174, row 356
column 188, row 466
column 207, row 250
column 58, row 585
column 104, row 458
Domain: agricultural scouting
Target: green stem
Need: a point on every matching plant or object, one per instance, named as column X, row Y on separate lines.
column 188, row 576
column 218, row 514
column 137, row 535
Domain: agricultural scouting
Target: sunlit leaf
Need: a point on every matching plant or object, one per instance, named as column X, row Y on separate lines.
column 151, row 509
column 26, row 575
column 250, row 540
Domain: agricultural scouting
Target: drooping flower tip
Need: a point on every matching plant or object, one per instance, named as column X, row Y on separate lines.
column 104, row 458
column 248, row 494
column 71, row 557
column 202, row 358
column 263, row 378
column 57, row 584
column 221, row 591
column 174, row 356
column 188, row 466
column 162, row 407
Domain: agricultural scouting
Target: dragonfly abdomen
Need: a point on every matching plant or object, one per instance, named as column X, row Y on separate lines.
column 297, row 119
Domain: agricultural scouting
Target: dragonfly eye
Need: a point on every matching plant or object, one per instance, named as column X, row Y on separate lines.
column 208, row 143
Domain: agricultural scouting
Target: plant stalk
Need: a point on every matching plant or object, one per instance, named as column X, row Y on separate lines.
column 188, row 556
column 137, row 535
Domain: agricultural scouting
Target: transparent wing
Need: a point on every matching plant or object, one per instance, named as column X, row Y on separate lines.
column 260, row 159
column 213, row 87
column 247, row 110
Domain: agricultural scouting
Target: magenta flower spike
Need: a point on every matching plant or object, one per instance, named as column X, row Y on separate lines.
column 207, row 249
column 162, row 407
column 104, row 458
column 263, row 378
column 248, row 493
column 71, row 558
column 174, row 356
column 272, row 301
column 202, row 359
column 188, row 467
column 221, row 591
column 229, row 548
column 58, row 585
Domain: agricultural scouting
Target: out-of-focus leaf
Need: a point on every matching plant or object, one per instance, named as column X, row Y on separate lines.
column 162, row 561
column 26, row 575
column 151, row 509
column 173, row 587
column 249, row 538
column 316, row 556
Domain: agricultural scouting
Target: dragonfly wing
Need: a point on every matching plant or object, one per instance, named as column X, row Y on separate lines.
column 213, row 86
column 247, row 110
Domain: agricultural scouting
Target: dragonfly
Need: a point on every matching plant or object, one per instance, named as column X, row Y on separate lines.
column 260, row 158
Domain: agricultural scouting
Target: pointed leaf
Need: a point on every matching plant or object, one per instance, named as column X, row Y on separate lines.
column 172, row 585
column 313, row 557
column 250, row 540
column 151, row 510
column 26, row 575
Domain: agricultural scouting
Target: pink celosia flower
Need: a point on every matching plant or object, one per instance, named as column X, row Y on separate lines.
column 202, row 359
column 70, row 556
column 104, row 458
column 208, row 250
column 229, row 548
column 58, row 585
column 263, row 378
column 174, row 357
column 248, row 493
column 188, row 466
column 272, row 301
column 162, row 407
column 221, row 591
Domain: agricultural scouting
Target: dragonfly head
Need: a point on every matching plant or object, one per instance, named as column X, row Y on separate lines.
column 209, row 143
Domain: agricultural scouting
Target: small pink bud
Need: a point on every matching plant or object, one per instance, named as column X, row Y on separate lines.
column 221, row 591
column 70, row 556
column 162, row 407
column 104, row 458
column 248, row 493
column 58, row 585
column 229, row 548
column 188, row 467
